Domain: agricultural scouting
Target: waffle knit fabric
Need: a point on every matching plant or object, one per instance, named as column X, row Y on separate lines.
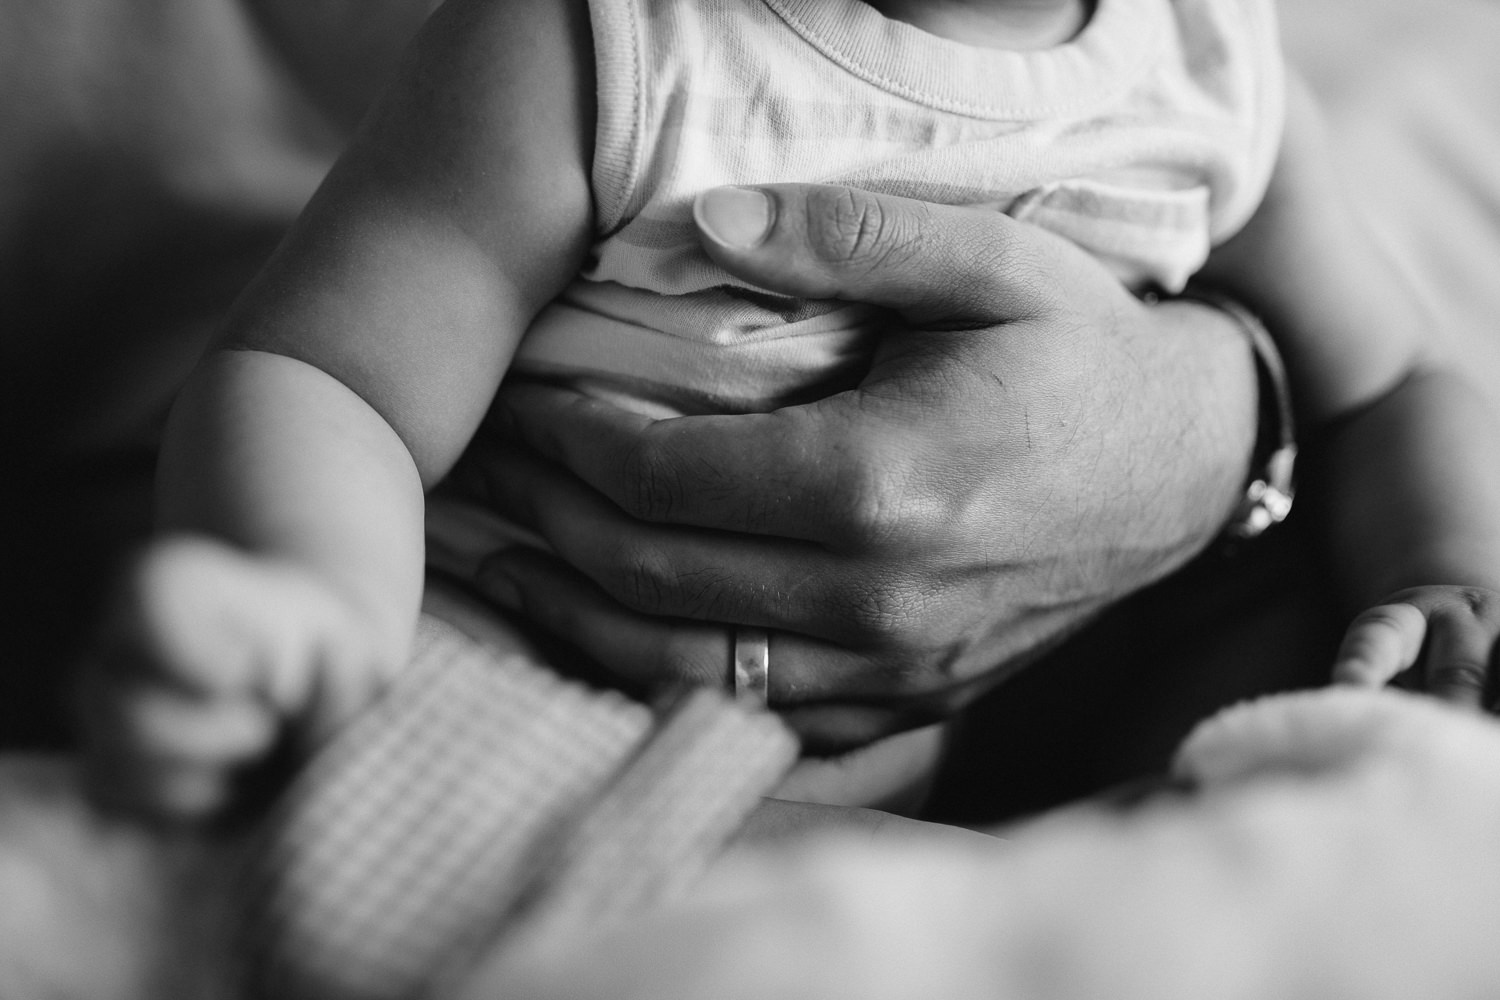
column 482, row 796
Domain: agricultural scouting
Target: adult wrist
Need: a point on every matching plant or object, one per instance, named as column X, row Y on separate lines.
column 1270, row 487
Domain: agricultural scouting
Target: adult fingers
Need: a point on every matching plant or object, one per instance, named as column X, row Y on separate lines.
column 935, row 265
column 648, row 649
column 1379, row 644
column 834, row 697
column 940, row 267
column 706, row 575
column 695, row 470
column 887, row 464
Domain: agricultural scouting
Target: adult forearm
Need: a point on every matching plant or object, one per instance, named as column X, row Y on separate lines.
column 1205, row 363
column 1162, row 453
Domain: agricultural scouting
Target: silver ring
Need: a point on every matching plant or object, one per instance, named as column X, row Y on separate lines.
column 752, row 666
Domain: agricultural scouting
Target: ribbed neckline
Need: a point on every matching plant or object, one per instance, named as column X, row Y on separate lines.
column 1115, row 47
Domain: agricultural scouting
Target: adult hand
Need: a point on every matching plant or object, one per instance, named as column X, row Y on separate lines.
column 1030, row 443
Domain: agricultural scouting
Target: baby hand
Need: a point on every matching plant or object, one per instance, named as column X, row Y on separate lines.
column 1452, row 629
column 208, row 654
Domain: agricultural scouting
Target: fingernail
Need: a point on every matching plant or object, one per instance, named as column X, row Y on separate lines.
column 734, row 217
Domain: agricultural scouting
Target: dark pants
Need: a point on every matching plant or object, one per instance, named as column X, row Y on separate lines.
column 1112, row 704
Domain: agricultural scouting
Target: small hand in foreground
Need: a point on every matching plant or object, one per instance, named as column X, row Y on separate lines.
column 1450, row 633
column 205, row 656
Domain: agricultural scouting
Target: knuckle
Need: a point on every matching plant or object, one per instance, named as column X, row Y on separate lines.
column 1034, row 265
column 868, row 521
column 639, row 577
column 654, row 481
column 885, row 614
column 696, row 595
column 1478, row 602
column 876, row 508
column 849, row 228
column 645, row 578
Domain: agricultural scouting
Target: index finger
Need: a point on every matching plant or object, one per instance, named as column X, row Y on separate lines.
column 749, row 473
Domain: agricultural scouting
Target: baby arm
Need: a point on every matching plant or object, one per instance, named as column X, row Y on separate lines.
column 1409, row 475
column 348, row 379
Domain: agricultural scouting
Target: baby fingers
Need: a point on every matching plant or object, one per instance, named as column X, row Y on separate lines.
column 1452, row 630
column 164, row 753
column 1459, row 653
column 1381, row 643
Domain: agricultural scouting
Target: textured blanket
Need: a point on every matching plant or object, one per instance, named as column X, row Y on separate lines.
column 1342, row 844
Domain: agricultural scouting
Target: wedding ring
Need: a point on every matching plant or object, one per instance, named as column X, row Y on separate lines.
column 752, row 666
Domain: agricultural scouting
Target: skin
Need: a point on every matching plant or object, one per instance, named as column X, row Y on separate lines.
column 327, row 395
column 896, row 567
column 297, row 454
column 981, row 493
column 1412, row 522
column 1404, row 462
column 179, row 912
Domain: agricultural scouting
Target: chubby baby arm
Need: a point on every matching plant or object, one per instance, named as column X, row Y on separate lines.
column 285, row 585
column 1404, row 463
column 282, row 588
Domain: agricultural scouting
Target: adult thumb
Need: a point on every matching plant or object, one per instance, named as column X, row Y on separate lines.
column 935, row 265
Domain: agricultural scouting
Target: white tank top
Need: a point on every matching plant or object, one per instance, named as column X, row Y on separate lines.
column 1144, row 140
